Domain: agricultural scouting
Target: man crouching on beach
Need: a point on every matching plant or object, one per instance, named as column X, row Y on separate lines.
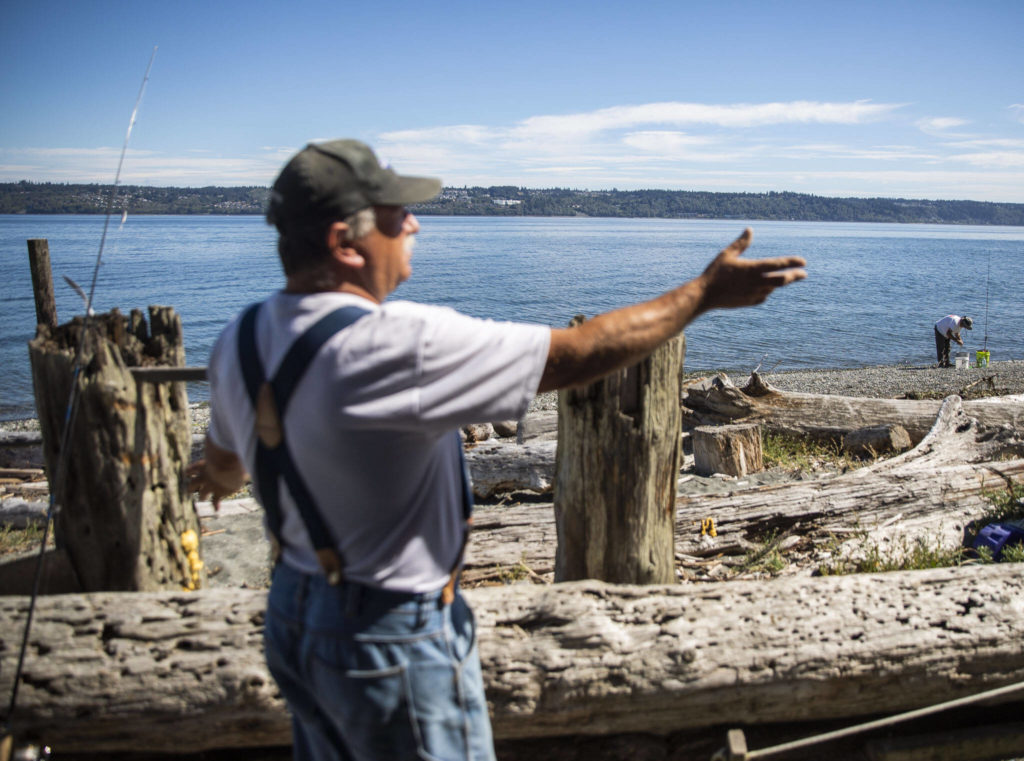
column 345, row 408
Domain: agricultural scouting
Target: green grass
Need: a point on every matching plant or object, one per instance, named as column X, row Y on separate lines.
column 16, row 540
column 920, row 554
column 803, row 453
column 766, row 558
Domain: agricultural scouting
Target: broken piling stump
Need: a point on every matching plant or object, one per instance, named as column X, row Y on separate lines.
column 617, row 462
column 123, row 503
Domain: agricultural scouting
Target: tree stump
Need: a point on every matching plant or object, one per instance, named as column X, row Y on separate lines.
column 734, row 450
column 616, row 467
column 123, row 505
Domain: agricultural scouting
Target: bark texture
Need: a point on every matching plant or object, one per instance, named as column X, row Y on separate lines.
column 122, row 495
column 166, row 672
column 716, row 400
column 617, row 462
column 734, row 450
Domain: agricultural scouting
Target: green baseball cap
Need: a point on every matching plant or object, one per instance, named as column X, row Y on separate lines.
column 335, row 179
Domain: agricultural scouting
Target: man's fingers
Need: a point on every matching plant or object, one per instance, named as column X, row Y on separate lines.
column 739, row 245
column 779, row 279
column 780, row 263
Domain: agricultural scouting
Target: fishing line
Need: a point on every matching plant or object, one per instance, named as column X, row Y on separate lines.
column 988, row 277
column 71, row 409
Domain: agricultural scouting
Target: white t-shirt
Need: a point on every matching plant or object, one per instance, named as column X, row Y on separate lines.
column 370, row 424
column 948, row 323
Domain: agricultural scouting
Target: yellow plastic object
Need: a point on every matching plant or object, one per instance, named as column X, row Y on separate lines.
column 190, row 544
column 707, row 527
column 981, row 358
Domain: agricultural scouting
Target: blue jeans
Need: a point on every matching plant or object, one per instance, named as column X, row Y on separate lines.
column 370, row 674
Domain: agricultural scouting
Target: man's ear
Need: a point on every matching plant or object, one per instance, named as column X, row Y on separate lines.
column 341, row 247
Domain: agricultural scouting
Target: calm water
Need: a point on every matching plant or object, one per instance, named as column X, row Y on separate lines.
column 873, row 290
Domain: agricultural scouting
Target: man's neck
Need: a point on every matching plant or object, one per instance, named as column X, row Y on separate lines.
column 305, row 285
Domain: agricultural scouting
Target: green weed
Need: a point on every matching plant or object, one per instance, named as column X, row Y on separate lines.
column 767, row 558
column 803, row 453
column 17, row 540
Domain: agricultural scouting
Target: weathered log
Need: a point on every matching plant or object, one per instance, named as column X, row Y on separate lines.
column 110, row 672
column 717, row 401
column 542, row 424
column 617, row 463
column 502, row 466
column 734, row 450
column 876, row 440
column 21, row 449
column 931, row 492
column 124, row 503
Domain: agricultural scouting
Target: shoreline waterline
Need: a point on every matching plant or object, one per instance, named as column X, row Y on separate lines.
column 877, row 381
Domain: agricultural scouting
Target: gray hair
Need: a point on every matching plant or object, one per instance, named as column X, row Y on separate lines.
column 304, row 247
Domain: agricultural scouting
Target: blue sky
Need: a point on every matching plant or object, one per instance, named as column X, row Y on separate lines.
column 891, row 99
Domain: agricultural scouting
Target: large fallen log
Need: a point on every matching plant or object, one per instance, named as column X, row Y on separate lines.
column 173, row 671
column 717, row 400
column 930, row 493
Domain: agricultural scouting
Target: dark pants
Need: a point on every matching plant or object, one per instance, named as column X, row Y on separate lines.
column 942, row 348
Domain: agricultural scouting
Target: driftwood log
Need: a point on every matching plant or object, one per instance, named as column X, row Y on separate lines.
column 169, row 671
column 877, row 440
column 123, row 501
column 617, row 463
column 930, row 493
column 502, row 466
column 716, row 400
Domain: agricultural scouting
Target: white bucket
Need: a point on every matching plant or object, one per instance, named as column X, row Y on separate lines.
column 962, row 363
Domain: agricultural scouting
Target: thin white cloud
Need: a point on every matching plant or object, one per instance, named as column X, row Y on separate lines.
column 940, row 125
column 743, row 115
column 840, row 148
column 993, row 159
column 1018, row 111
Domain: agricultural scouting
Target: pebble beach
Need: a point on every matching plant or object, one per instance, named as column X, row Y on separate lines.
column 881, row 382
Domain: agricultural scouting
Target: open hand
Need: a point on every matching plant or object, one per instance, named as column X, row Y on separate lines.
column 730, row 281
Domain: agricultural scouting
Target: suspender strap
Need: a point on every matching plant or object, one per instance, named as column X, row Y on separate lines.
column 448, row 592
column 274, row 461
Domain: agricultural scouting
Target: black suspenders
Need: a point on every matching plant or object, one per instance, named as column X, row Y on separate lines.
column 270, row 401
column 273, row 458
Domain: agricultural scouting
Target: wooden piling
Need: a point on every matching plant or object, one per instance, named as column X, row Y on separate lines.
column 42, row 281
column 125, row 516
column 619, row 450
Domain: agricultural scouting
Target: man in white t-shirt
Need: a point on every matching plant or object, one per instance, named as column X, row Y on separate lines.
column 949, row 328
column 346, row 407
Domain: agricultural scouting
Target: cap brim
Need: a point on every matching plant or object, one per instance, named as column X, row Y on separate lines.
column 401, row 190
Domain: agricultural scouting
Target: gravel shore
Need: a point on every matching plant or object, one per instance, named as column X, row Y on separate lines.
column 881, row 382
column 884, row 382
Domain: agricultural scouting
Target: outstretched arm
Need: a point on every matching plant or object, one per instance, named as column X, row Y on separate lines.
column 617, row 339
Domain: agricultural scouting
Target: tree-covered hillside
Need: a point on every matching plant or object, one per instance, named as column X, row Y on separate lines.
column 56, row 198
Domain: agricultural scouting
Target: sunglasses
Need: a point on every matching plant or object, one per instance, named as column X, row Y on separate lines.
column 390, row 219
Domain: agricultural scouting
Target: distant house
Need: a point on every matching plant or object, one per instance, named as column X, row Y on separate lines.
column 506, row 202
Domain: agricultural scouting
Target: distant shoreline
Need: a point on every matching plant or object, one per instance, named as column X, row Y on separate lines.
column 19, row 198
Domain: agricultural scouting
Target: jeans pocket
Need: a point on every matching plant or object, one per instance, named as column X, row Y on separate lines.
column 409, row 705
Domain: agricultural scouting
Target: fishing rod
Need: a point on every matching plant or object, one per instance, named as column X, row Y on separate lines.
column 988, row 277
column 70, row 415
